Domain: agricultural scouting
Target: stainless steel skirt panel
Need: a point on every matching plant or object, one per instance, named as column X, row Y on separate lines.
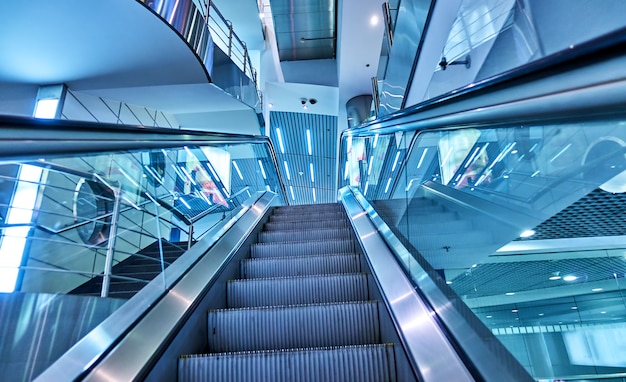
column 366, row 363
column 300, row 266
column 308, row 248
column 308, row 216
column 313, row 224
column 296, row 290
column 290, row 327
column 303, row 235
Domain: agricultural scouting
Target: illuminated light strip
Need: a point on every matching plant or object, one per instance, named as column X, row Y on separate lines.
column 210, row 166
column 472, row 158
column 447, row 156
column 154, row 175
column 185, row 203
column 129, row 178
column 314, row 198
column 387, row 187
column 20, row 211
column 422, row 157
column 293, row 197
column 237, row 169
column 367, row 186
column 369, row 168
column 177, row 171
column 375, row 141
column 308, row 141
column 346, row 172
column 280, row 140
column 561, row 152
column 287, row 170
column 395, row 162
column 311, row 171
column 171, row 19
column 188, row 175
column 262, row 169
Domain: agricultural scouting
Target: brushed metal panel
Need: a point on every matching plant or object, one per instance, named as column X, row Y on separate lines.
column 289, row 327
column 296, row 290
column 364, row 363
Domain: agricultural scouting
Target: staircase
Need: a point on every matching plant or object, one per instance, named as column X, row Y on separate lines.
column 300, row 311
column 144, row 266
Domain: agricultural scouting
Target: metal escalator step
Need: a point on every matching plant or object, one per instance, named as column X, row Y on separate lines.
column 296, row 290
column 314, row 224
column 306, row 248
column 304, row 235
column 291, row 327
column 364, row 363
column 308, row 216
column 332, row 207
column 300, row 266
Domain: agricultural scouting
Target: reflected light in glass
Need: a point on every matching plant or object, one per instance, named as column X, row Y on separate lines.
column 387, row 186
column 367, row 185
column 510, row 293
column 369, row 168
column 395, row 162
column 237, row 169
column 46, row 108
column 596, row 289
column 375, row 141
column 422, row 157
column 262, row 169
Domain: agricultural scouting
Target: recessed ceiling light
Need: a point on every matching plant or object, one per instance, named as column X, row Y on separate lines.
column 596, row 289
column 541, row 314
column 374, row 20
column 514, row 310
column 448, row 282
column 602, row 312
column 570, row 278
column 527, row 233
column 510, row 293
column 270, row 104
column 556, row 277
column 489, row 316
column 574, row 307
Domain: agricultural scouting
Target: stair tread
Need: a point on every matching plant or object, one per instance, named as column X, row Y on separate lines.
column 270, row 351
column 363, row 302
column 296, row 277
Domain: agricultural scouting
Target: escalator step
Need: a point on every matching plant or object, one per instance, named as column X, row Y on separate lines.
column 307, row 248
column 365, row 363
column 292, row 327
column 296, row 290
column 308, row 216
column 303, row 235
column 314, row 224
column 300, row 266
column 332, row 207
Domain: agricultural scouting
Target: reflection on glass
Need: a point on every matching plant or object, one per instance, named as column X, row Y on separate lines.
column 460, row 195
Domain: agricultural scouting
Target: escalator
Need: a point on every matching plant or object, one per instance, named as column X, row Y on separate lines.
column 301, row 309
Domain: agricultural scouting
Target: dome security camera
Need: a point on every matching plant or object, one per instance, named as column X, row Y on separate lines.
column 303, row 101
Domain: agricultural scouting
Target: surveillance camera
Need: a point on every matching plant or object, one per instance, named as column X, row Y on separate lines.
column 303, row 101
column 312, row 101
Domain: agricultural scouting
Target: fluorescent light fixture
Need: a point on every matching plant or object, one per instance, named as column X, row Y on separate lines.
column 293, row 197
column 46, row 108
column 369, row 168
column 448, row 282
column 387, row 186
column 308, row 141
column 510, row 293
column 527, row 233
column 188, row 175
column 514, row 310
column 596, row 289
column 237, row 169
column 375, row 141
column 311, row 171
column 445, row 159
column 570, row 278
column 395, row 162
column 422, row 157
column 262, row 169
column 20, row 211
column 367, row 185
column 535, row 174
column 280, row 140
column 287, row 170
column 314, row 197
column 554, row 278
column 347, row 170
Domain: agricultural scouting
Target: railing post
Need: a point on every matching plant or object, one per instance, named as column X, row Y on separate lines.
column 245, row 57
column 108, row 263
column 190, row 240
column 230, row 37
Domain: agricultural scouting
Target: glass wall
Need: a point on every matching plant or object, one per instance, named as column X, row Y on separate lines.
column 486, row 211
